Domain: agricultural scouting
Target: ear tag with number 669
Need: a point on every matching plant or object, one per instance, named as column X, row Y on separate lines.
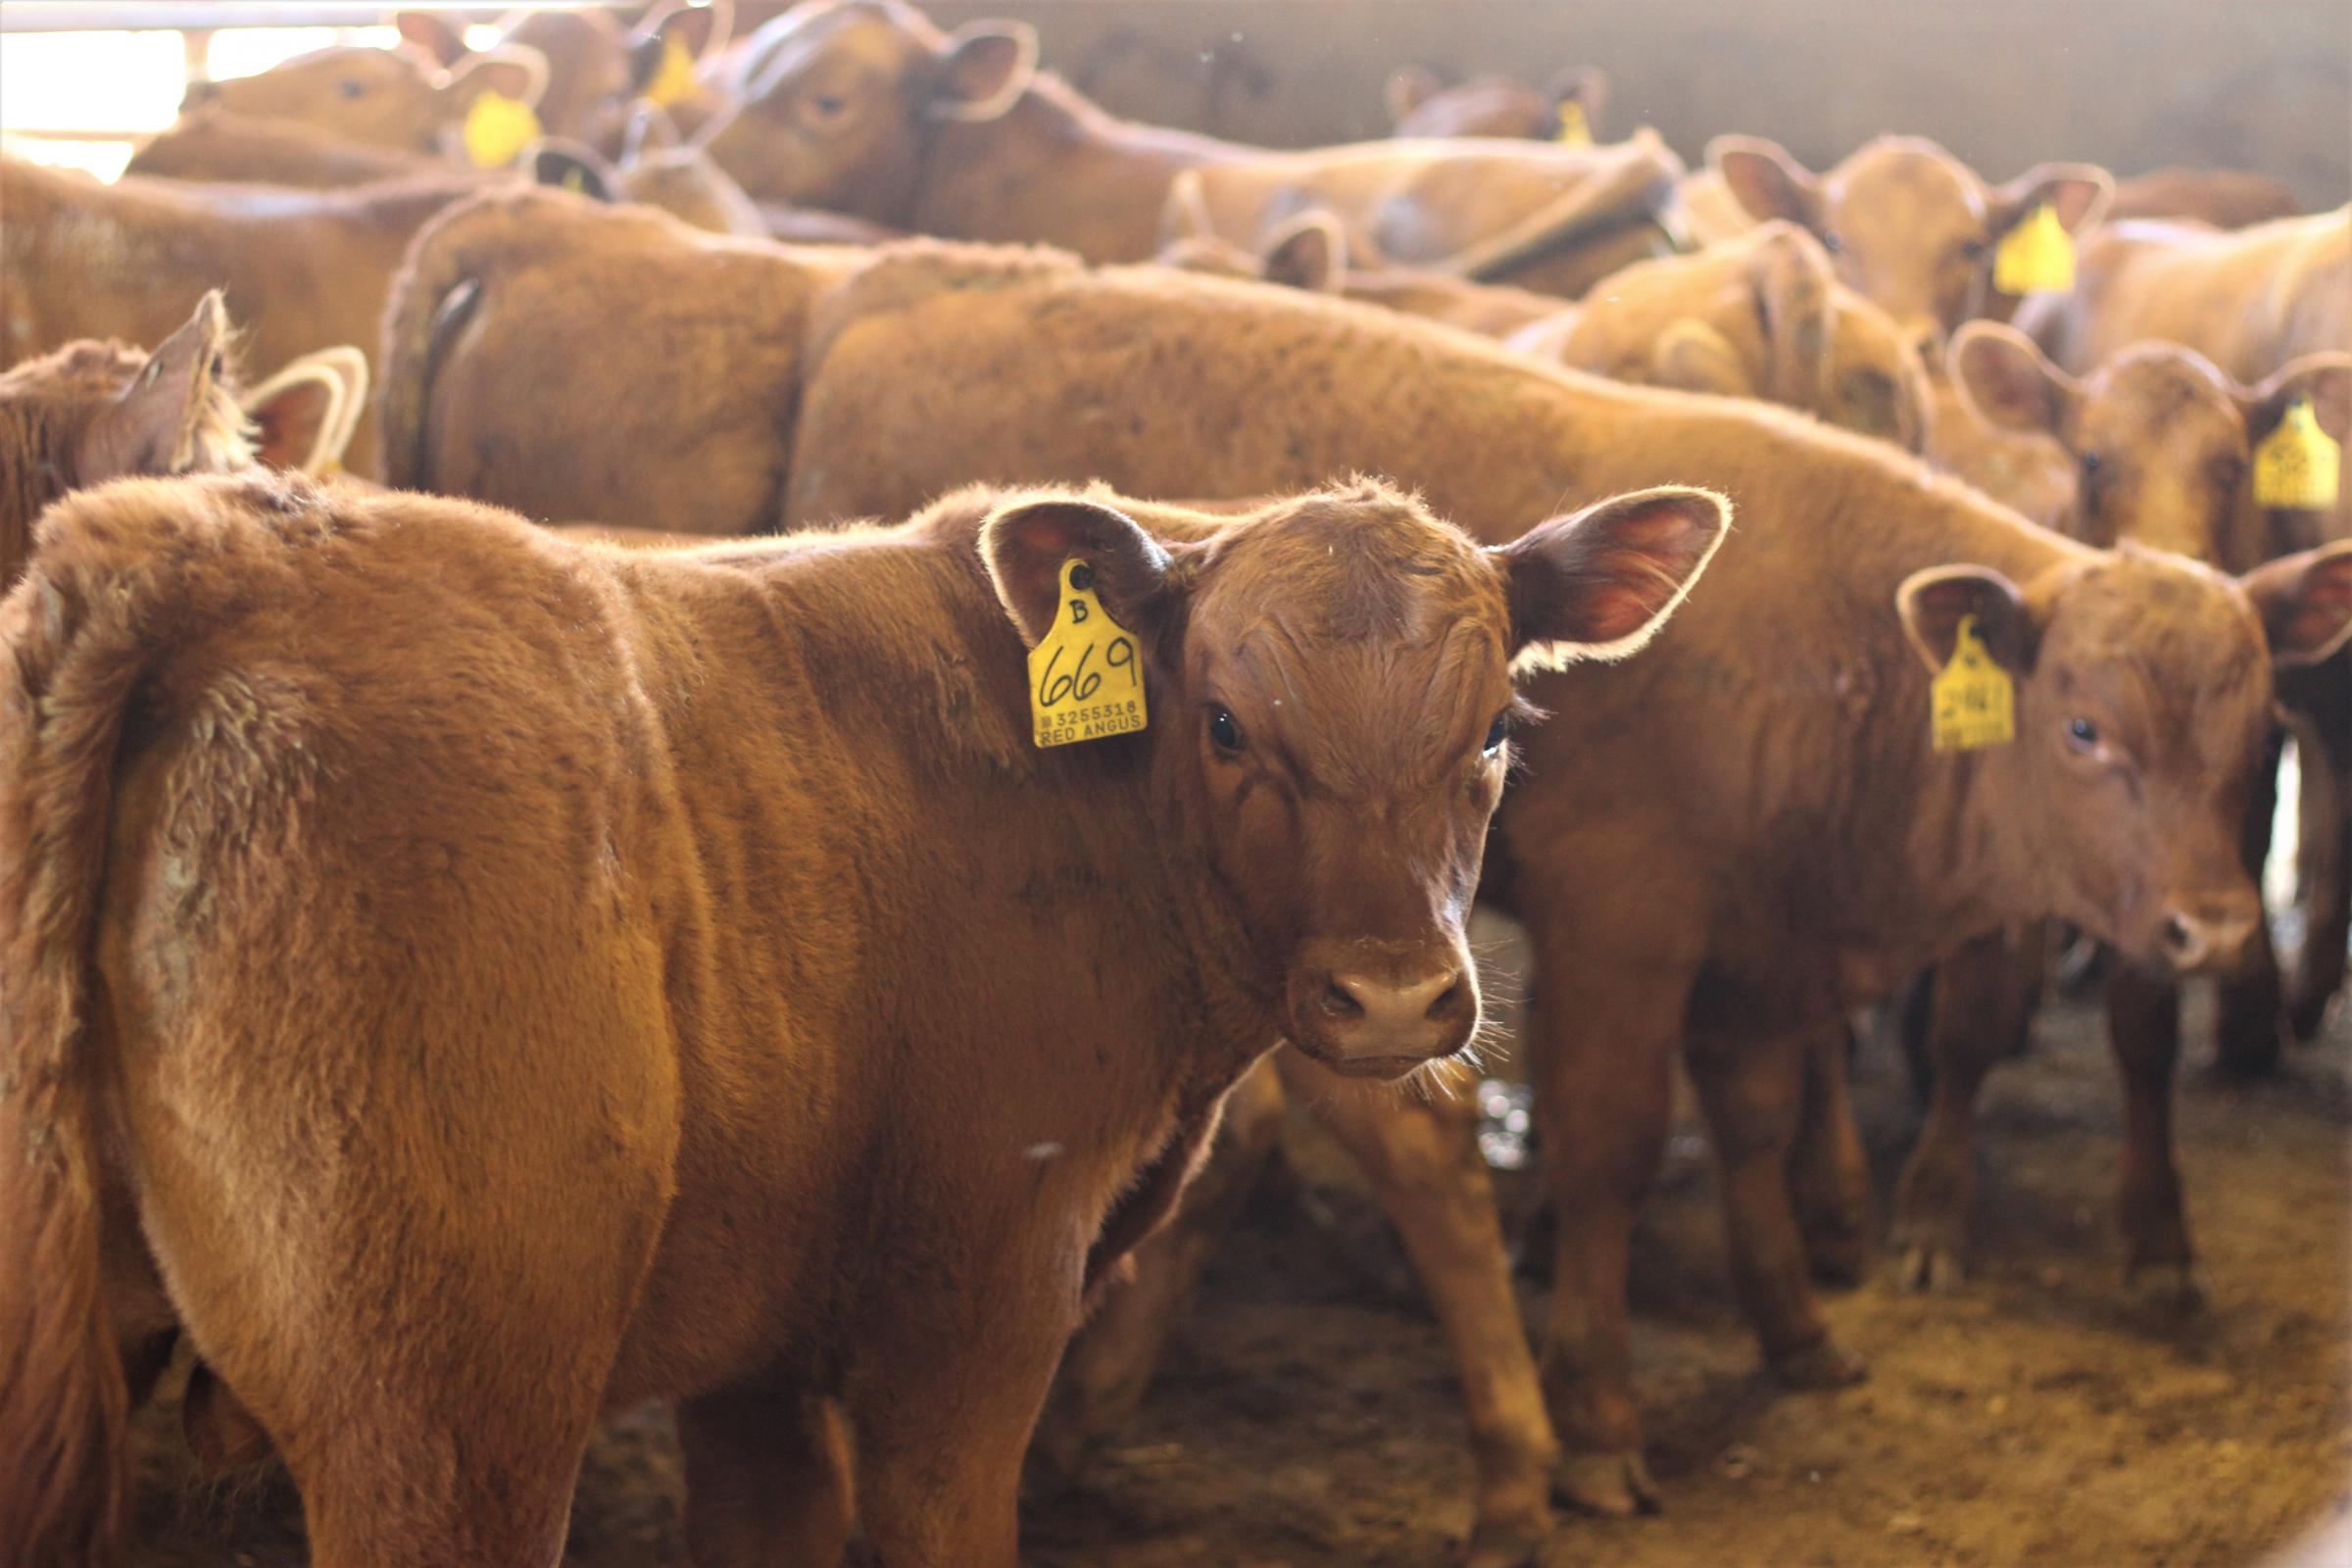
column 1086, row 675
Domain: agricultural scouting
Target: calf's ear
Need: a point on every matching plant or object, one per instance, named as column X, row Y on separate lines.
column 1790, row 273
column 511, row 70
column 2325, row 378
column 1024, row 543
column 294, row 417
column 1600, row 583
column 1932, row 602
column 430, row 35
column 985, row 68
column 2305, row 602
column 2078, row 192
column 1409, row 87
column 2006, row 382
column 174, row 402
column 1766, row 180
column 1310, row 253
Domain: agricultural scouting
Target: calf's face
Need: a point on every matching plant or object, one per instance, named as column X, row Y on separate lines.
column 2142, row 693
column 378, row 97
column 836, row 100
column 1331, row 706
column 1908, row 225
column 2160, row 441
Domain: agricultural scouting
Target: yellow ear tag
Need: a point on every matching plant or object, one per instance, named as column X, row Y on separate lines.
column 1086, row 675
column 2297, row 464
column 2037, row 257
column 573, row 179
column 497, row 129
column 1575, row 130
column 1973, row 703
column 674, row 81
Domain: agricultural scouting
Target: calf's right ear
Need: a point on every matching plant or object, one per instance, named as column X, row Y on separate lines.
column 1024, row 543
column 986, row 68
column 1598, row 584
column 1765, row 179
column 2305, row 601
column 1309, row 253
column 429, row 33
column 565, row 165
column 161, row 421
column 1932, row 602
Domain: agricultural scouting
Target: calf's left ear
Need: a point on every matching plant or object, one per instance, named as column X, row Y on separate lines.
column 2325, row 379
column 2305, row 601
column 160, row 424
column 2078, row 192
column 1598, row 584
column 1024, row 543
column 985, row 70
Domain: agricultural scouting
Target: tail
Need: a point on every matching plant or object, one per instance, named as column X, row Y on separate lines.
column 432, row 299
column 69, row 662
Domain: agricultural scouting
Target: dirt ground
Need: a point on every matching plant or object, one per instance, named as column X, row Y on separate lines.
column 1306, row 1415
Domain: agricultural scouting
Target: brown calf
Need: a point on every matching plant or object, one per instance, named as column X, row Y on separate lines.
column 377, row 97
column 864, row 107
column 2226, row 198
column 302, row 270
column 814, row 1143
column 2162, row 442
column 511, row 283
column 1912, row 227
column 1747, row 888
column 92, row 411
column 1757, row 317
column 1420, row 105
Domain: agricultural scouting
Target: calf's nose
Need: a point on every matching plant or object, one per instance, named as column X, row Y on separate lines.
column 2212, row 935
column 1369, row 1018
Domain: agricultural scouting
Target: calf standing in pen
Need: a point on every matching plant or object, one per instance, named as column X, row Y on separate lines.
column 1755, row 888
column 2164, row 443
column 683, row 974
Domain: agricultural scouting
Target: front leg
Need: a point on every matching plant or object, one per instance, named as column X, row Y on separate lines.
column 2143, row 1029
column 768, row 1478
column 1421, row 1156
column 1829, row 1174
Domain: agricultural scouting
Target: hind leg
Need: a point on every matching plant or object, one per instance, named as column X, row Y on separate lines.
column 1829, row 1174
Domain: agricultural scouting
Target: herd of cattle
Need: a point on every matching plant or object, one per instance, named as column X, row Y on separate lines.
column 466, row 975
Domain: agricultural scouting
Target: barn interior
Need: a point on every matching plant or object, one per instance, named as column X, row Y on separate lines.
column 2035, row 1371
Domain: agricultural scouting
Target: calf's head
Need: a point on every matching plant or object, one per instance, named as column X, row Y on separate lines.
column 1420, row 105
column 836, row 101
column 597, row 69
column 2142, row 690
column 1332, row 707
column 1909, row 225
column 378, row 97
column 2160, row 441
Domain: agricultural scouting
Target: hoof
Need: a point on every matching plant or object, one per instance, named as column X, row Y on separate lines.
column 1824, row 1364
column 1507, row 1543
column 1610, row 1484
column 1929, row 1267
column 2166, row 1287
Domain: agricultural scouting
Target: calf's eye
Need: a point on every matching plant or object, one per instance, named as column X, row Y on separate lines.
column 351, row 89
column 1223, row 730
column 2082, row 735
column 1832, row 242
column 1498, row 732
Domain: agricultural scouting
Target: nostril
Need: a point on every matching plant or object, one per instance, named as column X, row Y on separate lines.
column 1339, row 1002
column 1446, row 1000
column 2178, row 934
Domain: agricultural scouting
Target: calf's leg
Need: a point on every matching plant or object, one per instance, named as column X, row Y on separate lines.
column 1753, row 1090
column 1829, row 1174
column 1978, row 1008
column 1421, row 1157
column 1605, row 1026
column 2322, row 697
column 2143, row 1029
column 768, row 1478
column 2251, row 1023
